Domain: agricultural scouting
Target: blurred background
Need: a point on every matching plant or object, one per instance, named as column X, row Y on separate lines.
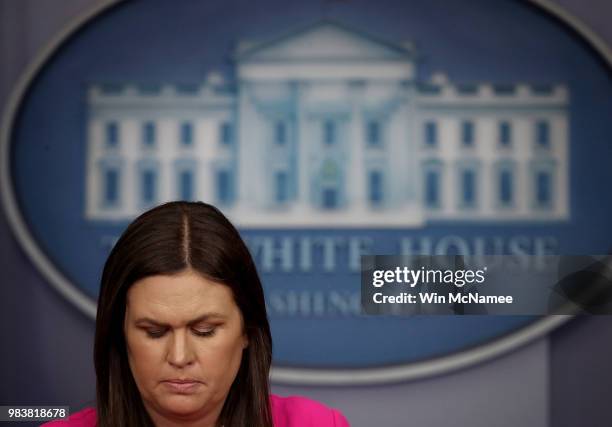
column 562, row 378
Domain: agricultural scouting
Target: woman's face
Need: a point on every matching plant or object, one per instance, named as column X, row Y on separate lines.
column 185, row 339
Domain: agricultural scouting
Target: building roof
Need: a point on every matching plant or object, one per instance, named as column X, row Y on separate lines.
column 323, row 40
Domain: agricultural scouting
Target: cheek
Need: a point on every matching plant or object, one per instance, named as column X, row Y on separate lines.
column 221, row 360
column 146, row 358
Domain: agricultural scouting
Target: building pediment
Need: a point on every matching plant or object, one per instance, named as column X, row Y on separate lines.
column 323, row 42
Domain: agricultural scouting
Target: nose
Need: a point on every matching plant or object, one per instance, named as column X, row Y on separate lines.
column 180, row 353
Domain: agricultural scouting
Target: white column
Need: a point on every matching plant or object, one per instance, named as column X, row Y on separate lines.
column 130, row 142
column 166, row 153
column 356, row 182
column 302, row 202
column 249, row 152
column 395, row 134
column 95, row 141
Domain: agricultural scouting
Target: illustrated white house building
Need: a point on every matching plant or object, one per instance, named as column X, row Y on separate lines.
column 329, row 127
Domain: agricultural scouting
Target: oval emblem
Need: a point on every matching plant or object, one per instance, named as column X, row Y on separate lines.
column 324, row 133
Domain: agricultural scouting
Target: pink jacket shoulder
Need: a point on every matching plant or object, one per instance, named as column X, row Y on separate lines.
column 292, row 411
column 84, row 418
column 297, row 411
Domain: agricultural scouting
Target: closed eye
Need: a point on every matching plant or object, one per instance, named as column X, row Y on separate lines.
column 204, row 332
column 200, row 332
column 155, row 333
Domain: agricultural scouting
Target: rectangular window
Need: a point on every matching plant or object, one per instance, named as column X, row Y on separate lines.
column 223, row 187
column 111, row 186
column 468, row 185
column 186, row 133
column 505, row 134
column 432, row 188
column 373, row 133
column 505, row 187
column 543, row 134
column 329, row 132
column 330, row 198
column 467, row 133
column 280, row 133
column 112, row 134
column 149, row 89
column 467, row 89
column 375, row 192
column 186, row 185
column 282, row 187
column 226, row 133
column 111, row 88
column 148, row 136
column 187, row 88
column 149, row 184
column 543, row 188
column 431, row 134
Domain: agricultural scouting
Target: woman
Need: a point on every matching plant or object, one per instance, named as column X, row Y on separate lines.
column 182, row 335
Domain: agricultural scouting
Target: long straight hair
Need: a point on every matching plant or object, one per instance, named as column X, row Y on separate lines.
column 166, row 240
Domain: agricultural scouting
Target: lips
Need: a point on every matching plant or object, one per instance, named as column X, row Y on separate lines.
column 182, row 381
column 183, row 386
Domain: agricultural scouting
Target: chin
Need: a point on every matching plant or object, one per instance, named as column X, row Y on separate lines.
column 182, row 404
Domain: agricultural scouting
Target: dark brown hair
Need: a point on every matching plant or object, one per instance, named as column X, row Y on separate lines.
column 168, row 239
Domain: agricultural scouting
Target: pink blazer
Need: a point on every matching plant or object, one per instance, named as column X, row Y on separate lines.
column 292, row 411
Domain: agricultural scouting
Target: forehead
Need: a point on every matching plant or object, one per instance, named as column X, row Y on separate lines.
column 172, row 298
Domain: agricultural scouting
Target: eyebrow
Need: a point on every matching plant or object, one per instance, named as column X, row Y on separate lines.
column 203, row 317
